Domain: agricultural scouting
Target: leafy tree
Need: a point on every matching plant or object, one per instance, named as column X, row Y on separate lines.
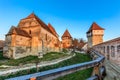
column 78, row 43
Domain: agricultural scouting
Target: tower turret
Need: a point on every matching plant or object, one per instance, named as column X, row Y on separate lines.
column 95, row 35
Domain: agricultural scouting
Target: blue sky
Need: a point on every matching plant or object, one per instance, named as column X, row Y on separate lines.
column 74, row 15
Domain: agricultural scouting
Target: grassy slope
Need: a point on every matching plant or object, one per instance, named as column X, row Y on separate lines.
column 79, row 75
column 79, row 58
column 31, row 59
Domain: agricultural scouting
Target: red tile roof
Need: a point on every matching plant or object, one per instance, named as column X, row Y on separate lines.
column 14, row 30
column 32, row 15
column 94, row 26
column 66, row 34
column 52, row 29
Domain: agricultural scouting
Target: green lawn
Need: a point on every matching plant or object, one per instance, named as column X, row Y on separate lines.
column 53, row 55
column 32, row 59
column 79, row 75
column 79, row 58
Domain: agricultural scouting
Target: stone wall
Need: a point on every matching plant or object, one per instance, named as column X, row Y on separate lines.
column 110, row 49
column 67, row 42
column 7, row 51
column 21, row 51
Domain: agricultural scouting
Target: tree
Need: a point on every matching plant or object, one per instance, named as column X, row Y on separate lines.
column 82, row 42
column 75, row 43
column 78, row 43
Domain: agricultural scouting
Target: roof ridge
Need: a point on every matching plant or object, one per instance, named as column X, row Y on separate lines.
column 11, row 29
column 52, row 29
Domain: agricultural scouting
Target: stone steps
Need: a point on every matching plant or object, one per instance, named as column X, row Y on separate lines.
column 113, row 71
column 114, row 66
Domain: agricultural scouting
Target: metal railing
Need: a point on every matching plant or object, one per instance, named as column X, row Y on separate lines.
column 55, row 73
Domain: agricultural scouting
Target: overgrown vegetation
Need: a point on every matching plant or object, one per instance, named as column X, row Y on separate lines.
column 79, row 75
column 32, row 59
column 79, row 58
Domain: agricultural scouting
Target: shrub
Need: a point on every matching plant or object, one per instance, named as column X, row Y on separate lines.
column 64, row 50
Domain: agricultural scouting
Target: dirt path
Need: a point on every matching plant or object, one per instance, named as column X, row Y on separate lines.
column 29, row 66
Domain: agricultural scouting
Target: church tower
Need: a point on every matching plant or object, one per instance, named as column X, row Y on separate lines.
column 66, row 40
column 95, row 35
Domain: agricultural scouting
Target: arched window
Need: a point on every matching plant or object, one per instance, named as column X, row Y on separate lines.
column 118, row 50
column 112, row 51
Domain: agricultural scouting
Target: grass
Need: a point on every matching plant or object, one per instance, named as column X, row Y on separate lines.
column 2, row 67
column 79, row 58
column 79, row 75
column 32, row 59
column 53, row 55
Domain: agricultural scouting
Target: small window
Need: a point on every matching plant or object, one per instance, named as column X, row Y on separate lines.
column 46, row 37
column 30, row 32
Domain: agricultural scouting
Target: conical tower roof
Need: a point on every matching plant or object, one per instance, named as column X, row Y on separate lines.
column 66, row 34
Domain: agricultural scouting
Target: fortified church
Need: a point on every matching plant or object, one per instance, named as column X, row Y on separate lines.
column 33, row 37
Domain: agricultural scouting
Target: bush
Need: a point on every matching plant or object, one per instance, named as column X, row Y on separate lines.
column 64, row 50
column 1, row 56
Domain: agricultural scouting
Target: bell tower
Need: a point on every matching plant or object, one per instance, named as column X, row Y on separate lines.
column 95, row 35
